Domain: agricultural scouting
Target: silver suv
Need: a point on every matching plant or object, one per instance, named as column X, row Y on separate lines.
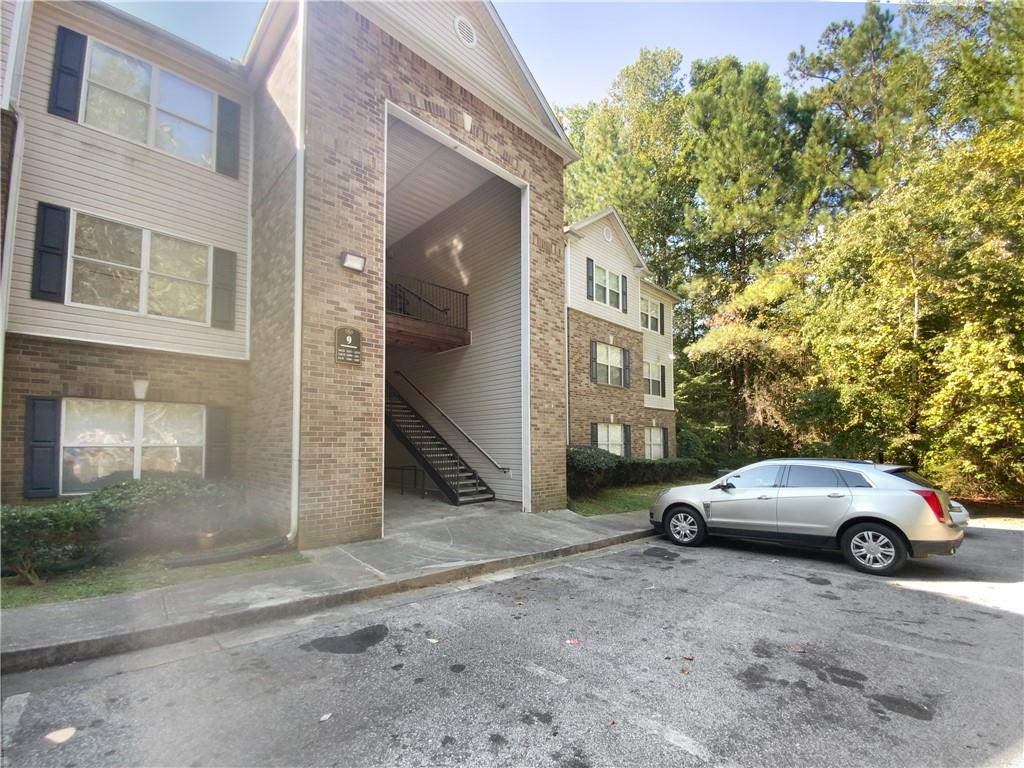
column 876, row 514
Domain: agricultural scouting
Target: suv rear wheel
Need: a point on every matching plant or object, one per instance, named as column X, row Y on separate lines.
column 874, row 548
column 685, row 526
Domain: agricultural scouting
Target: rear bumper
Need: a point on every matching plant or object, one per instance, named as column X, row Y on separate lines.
column 940, row 547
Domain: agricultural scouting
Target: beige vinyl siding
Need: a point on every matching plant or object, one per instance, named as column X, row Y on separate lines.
column 72, row 165
column 658, row 349
column 614, row 256
column 7, row 8
column 474, row 247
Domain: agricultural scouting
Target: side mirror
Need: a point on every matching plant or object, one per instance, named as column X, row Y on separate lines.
column 724, row 485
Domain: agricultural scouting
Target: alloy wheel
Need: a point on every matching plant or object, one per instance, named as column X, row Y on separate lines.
column 873, row 549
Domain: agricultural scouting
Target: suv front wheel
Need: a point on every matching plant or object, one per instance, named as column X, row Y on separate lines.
column 685, row 526
column 874, row 548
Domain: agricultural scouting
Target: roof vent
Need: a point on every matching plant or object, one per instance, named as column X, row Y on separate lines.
column 465, row 31
column 608, row 234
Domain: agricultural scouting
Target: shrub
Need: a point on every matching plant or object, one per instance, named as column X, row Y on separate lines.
column 588, row 469
column 34, row 537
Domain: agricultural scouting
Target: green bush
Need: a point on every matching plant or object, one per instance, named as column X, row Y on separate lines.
column 35, row 537
column 588, row 469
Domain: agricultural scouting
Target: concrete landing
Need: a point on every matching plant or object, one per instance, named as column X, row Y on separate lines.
column 426, row 542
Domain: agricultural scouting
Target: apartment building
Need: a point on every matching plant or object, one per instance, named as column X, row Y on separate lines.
column 303, row 270
column 619, row 376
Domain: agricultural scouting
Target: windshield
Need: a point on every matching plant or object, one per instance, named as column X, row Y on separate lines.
column 913, row 477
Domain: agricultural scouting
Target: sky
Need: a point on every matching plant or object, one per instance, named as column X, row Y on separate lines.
column 574, row 50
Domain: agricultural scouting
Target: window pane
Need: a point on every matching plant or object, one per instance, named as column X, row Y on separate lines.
column 811, row 477
column 602, row 353
column 104, row 286
column 178, row 257
column 98, row 422
column 602, row 433
column 647, row 386
column 643, row 306
column 853, row 479
column 615, row 376
column 602, row 373
column 107, row 241
column 185, row 99
column 186, row 461
column 120, row 72
column 172, row 424
column 177, row 298
column 599, row 293
column 600, row 276
column 183, row 139
column 761, row 477
column 110, row 111
column 613, row 298
column 86, row 469
column 615, row 356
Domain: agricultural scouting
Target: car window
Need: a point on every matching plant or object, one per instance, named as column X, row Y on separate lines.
column 759, row 477
column 911, row 476
column 853, row 479
column 801, row 476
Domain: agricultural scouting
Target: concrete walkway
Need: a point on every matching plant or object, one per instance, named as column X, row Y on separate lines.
column 426, row 542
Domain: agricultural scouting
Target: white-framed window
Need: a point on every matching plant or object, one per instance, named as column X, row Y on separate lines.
column 652, row 379
column 132, row 98
column 650, row 314
column 611, row 437
column 107, row 441
column 609, row 364
column 607, row 287
column 131, row 269
column 654, row 443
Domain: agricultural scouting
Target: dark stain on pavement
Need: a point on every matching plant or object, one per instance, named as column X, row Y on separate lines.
column 661, row 553
column 354, row 642
column 764, row 649
column 576, row 760
column 457, row 668
column 829, row 595
column 497, row 741
column 901, row 706
column 817, row 581
column 397, row 667
column 848, row 678
column 447, row 741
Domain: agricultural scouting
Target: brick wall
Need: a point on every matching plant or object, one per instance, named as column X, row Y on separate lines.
column 590, row 402
column 353, row 69
column 268, row 477
column 36, row 366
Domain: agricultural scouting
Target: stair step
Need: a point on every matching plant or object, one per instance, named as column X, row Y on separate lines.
column 474, row 497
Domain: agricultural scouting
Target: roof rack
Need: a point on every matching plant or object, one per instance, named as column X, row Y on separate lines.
column 823, row 458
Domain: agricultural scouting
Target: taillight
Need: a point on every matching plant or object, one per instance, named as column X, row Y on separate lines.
column 932, row 498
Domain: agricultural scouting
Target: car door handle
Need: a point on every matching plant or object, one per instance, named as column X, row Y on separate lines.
column 763, row 498
column 836, row 495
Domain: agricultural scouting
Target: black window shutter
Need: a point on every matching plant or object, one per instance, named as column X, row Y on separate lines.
column 51, row 257
column 68, row 68
column 627, row 441
column 593, row 433
column 663, row 393
column 590, row 278
column 593, row 360
column 661, row 318
column 664, row 442
column 625, row 303
column 229, row 136
column 625, row 367
column 222, row 313
column 42, row 447
column 218, row 442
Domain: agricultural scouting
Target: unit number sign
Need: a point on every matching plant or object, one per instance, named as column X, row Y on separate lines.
column 348, row 346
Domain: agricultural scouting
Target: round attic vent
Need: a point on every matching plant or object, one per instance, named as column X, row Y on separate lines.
column 608, row 234
column 465, row 31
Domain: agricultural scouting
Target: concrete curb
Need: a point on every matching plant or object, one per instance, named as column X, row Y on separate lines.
column 57, row 654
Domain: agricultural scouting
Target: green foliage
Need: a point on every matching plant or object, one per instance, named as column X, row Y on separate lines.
column 119, row 520
column 848, row 248
column 589, row 469
column 33, row 537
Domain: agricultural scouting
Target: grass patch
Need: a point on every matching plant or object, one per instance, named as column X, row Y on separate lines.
column 623, row 498
column 131, row 576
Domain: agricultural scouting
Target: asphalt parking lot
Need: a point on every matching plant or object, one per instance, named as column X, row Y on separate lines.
column 731, row 654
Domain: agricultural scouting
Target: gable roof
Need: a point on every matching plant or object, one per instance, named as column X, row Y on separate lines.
column 613, row 216
column 491, row 67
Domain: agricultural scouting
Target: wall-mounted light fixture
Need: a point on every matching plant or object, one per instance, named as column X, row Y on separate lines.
column 140, row 385
column 353, row 261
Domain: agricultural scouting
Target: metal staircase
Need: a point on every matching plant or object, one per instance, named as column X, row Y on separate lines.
column 459, row 482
